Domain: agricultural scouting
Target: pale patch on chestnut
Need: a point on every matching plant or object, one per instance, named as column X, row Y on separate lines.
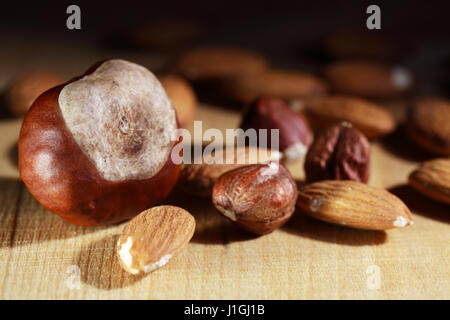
column 121, row 118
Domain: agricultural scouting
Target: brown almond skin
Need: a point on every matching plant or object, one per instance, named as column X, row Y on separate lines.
column 287, row 85
column 155, row 233
column 368, row 79
column 362, row 44
column 215, row 63
column 353, row 204
column 371, row 119
column 273, row 113
column 21, row 91
column 340, row 153
column 428, row 125
column 198, row 178
column 83, row 197
column 255, row 198
column 432, row 179
column 182, row 96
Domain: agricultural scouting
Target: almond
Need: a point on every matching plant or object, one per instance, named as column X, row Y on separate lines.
column 22, row 90
column 213, row 63
column 432, row 179
column 274, row 83
column 198, row 178
column 429, row 125
column 154, row 236
column 370, row 118
column 354, row 204
column 182, row 96
column 368, row 79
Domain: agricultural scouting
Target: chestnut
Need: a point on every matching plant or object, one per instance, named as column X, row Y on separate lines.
column 97, row 149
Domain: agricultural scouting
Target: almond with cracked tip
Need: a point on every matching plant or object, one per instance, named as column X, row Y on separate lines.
column 432, row 179
column 259, row 198
column 353, row 204
column 429, row 125
column 153, row 237
column 198, row 178
column 368, row 117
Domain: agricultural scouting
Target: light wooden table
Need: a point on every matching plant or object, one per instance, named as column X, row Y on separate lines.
column 42, row 257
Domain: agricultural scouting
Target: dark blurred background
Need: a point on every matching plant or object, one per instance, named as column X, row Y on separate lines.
column 289, row 33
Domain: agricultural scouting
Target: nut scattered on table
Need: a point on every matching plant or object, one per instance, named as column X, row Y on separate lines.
column 432, row 179
column 429, row 125
column 368, row 79
column 287, row 85
column 198, row 178
column 22, row 90
column 353, row 204
column 362, row 44
column 182, row 96
column 153, row 237
column 295, row 135
column 259, row 198
column 213, row 63
column 370, row 118
column 164, row 34
column 97, row 149
column 340, row 153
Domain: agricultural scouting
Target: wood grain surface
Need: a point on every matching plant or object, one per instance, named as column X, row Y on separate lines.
column 43, row 257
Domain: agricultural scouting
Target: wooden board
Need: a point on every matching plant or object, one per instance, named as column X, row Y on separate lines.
column 42, row 257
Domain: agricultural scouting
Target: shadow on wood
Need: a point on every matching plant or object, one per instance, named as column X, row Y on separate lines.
column 99, row 266
column 23, row 221
column 401, row 146
column 305, row 226
column 211, row 226
column 419, row 204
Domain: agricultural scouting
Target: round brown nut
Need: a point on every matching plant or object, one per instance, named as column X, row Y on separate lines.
column 295, row 135
column 340, row 153
column 259, row 198
column 370, row 118
column 219, row 63
column 432, row 179
column 367, row 79
column 182, row 96
column 198, row 178
column 98, row 149
column 429, row 125
column 153, row 237
column 276, row 83
column 21, row 91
